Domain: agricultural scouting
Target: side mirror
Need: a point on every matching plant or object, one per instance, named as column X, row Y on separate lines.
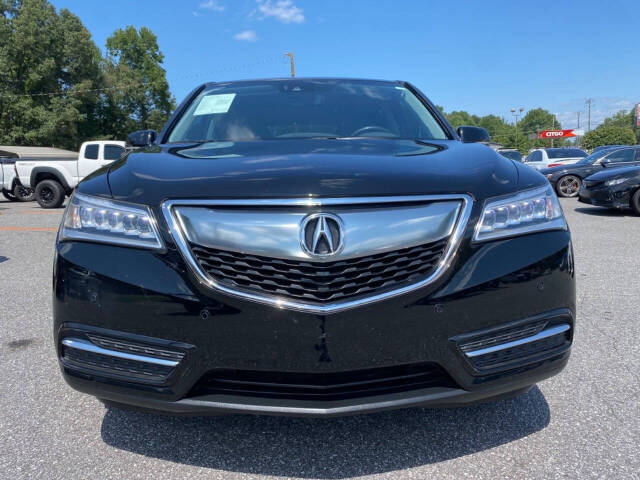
column 142, row 138
column 605, row 162
column 470, row 134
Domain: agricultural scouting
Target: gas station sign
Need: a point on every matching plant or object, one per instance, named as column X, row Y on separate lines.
column 556, row 134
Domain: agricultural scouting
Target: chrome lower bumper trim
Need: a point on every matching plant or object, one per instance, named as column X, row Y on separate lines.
column 87, row 346
column 549, row 332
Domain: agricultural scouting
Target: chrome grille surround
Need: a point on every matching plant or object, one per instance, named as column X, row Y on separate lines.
column 445, row 261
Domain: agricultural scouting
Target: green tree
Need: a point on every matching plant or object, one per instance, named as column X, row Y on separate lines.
column 459, row 118
column 608, row 135
column 622, row 119
column 48, row 62
column 138, row 94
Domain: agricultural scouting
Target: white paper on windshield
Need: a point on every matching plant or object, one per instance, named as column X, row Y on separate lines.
column 219, row 103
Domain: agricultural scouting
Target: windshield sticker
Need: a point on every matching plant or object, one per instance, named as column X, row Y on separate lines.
column 215, row 104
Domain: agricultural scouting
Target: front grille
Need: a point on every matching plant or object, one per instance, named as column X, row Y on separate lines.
column 323, row 386
column 320, row 282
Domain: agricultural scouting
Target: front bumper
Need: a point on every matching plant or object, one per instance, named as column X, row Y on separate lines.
column 602, row 196
column 151, row 298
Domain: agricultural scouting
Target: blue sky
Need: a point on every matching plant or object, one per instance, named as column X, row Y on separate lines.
column 483, row 57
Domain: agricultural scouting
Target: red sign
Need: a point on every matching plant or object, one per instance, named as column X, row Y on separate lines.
column 556, row 134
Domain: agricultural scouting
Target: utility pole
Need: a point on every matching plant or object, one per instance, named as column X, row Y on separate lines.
column 553, row 128
column 578, row 138
column 293, row 68
column 589, row 102
column 513, row 112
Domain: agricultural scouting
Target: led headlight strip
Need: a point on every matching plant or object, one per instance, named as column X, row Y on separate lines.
column 525, row 212
column 108, row 221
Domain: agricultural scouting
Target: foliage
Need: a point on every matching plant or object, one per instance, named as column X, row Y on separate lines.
column 623, row 119
column 608, row 135
column 138, row 97
column 53, row 79
column 505, row 133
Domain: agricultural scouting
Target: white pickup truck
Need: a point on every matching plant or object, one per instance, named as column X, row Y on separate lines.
column 10, row 185
column 52, row 180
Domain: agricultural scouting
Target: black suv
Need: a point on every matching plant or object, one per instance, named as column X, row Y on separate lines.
column 311, row 247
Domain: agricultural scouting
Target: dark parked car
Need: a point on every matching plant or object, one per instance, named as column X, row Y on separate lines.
column 566, row 179
column 615, row 188
column 311, row 247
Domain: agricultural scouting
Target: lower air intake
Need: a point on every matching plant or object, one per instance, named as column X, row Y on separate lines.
column 512, row 347
column 323, row 386
column 125, row 360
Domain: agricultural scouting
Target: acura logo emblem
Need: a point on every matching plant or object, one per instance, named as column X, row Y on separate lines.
column 322, row 234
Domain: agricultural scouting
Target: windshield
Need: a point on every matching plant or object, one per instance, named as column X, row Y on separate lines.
column 281, row 109
column 593, row 157
column 555, row 153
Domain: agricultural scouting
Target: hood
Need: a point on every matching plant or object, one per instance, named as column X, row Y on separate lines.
column 310, row 167
column 609, row 173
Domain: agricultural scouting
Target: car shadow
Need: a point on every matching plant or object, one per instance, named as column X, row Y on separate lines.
column 327, row 448
column 604, row 212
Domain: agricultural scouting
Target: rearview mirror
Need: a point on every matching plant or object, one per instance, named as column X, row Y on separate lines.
column 142, row 138
column 469, row 134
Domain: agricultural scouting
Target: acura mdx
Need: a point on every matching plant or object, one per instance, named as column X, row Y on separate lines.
column 311, row 247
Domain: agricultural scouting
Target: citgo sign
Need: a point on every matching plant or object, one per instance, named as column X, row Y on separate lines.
column 556, row 134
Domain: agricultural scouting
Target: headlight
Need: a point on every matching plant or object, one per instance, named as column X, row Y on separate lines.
column 107, row 221
column 615, row 181
column 526, row 212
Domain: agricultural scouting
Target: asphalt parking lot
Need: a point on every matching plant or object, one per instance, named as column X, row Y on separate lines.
column 584, row 423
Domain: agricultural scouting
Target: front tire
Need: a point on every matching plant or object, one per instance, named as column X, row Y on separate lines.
column 635, row 202
column 9, row 195
column 568, row 186
column 49, row 194
column 24, row 194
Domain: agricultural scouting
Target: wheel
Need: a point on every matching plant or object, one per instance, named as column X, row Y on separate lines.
column 635, row 202
column 568, row 186
column 9, row 195
column 24, row 194
column 49, row 194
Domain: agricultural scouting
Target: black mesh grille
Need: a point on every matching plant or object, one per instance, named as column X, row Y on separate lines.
column 504, row 336
column 320, row 282
column 501, row 358
column 323, row 386
column 135, row 348
column 114, row 365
